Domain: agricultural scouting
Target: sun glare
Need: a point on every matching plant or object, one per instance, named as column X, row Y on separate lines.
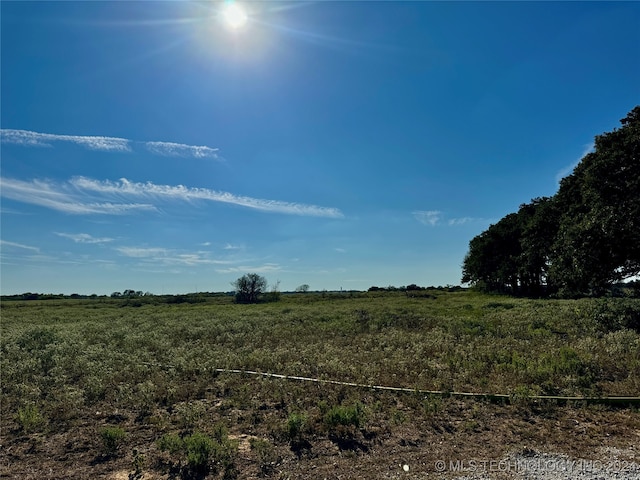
column 234, row 15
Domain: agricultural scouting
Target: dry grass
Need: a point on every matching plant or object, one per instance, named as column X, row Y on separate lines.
column 72, row 368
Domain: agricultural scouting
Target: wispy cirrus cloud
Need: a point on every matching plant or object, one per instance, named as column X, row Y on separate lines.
column 433, row 218
column 264, row 268
column 63, row 198
column 169, row 149
column 428, row 217
column 36, row 139
column 151, row 191
column 82, row 195
column 84, row 238
column 143, row 252
column 169, row 257
column 107, row 144
column 460, row 221
column 5, row 243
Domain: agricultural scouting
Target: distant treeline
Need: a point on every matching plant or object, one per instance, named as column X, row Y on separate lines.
column 415, row 288
column 127, row 295
column 137, row 297
column 581, row 241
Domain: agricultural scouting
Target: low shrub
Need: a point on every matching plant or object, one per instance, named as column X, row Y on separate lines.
column 296, row 422
column 112, row 438
column 30, row 418
column 345, row 416
column 202, row 452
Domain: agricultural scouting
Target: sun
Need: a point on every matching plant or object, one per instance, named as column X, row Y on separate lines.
column 234, row 15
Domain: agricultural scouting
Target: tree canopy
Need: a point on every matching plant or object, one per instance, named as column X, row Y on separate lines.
column 249, row 287
column 578, row 242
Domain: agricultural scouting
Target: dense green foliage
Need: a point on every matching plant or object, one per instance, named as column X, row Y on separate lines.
column 249, row 287
column 578, row 242
column 75, row 353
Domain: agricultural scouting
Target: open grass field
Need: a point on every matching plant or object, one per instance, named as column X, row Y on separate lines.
column 103, row 388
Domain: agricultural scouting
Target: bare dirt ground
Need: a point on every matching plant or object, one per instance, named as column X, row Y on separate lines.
column 465, row 439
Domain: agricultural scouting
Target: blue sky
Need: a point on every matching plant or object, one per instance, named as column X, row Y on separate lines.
column 150, row 146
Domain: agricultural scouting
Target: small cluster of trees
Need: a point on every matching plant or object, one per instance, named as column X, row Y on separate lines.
column 129, row 294
column 391, row 288
column 580, row 241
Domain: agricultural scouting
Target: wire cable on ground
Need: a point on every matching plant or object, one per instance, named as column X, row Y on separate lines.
column 502, row 397
column 619, row 401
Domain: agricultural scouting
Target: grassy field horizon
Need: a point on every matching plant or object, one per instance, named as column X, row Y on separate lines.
column 112, row 385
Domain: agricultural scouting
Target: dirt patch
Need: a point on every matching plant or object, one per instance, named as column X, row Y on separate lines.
column 398, row 432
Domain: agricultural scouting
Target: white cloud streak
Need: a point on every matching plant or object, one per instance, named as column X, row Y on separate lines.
column 84, row 238
column 169, row 149
column 142, row 252
column 149, row 190
column 35, row 139
column 107, row 144
column 428, row 217
column 433, row 218
column 460, row 221
column 62, row 198
column 265, row 268
column 168, row 257
column 85, row 196
column 5, row 243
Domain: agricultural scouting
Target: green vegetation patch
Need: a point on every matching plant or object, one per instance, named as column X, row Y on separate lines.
column 153, row 370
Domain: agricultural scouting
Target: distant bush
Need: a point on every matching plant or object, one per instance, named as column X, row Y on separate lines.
column 249, row 287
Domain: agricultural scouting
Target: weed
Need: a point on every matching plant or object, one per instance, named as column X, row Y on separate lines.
column 296, row 423
column 37, row 339
column 521, row 396
column 112, row 438
column 137, row 463
column 171, row 443
column 499, row 305
column 266, row 454
column 190, row 414
column 345, row 416
column 363, row 320
column 198, row 448
column 471, row 425
column 30, row 418
column 398, row 417
column 431, row 405
column 202, row 451
column 616, row 314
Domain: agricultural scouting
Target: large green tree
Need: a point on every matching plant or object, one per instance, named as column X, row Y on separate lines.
column 512, row 256
column 492, row 261
column 539, row 226
column 579, row 241
column 598, row 241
